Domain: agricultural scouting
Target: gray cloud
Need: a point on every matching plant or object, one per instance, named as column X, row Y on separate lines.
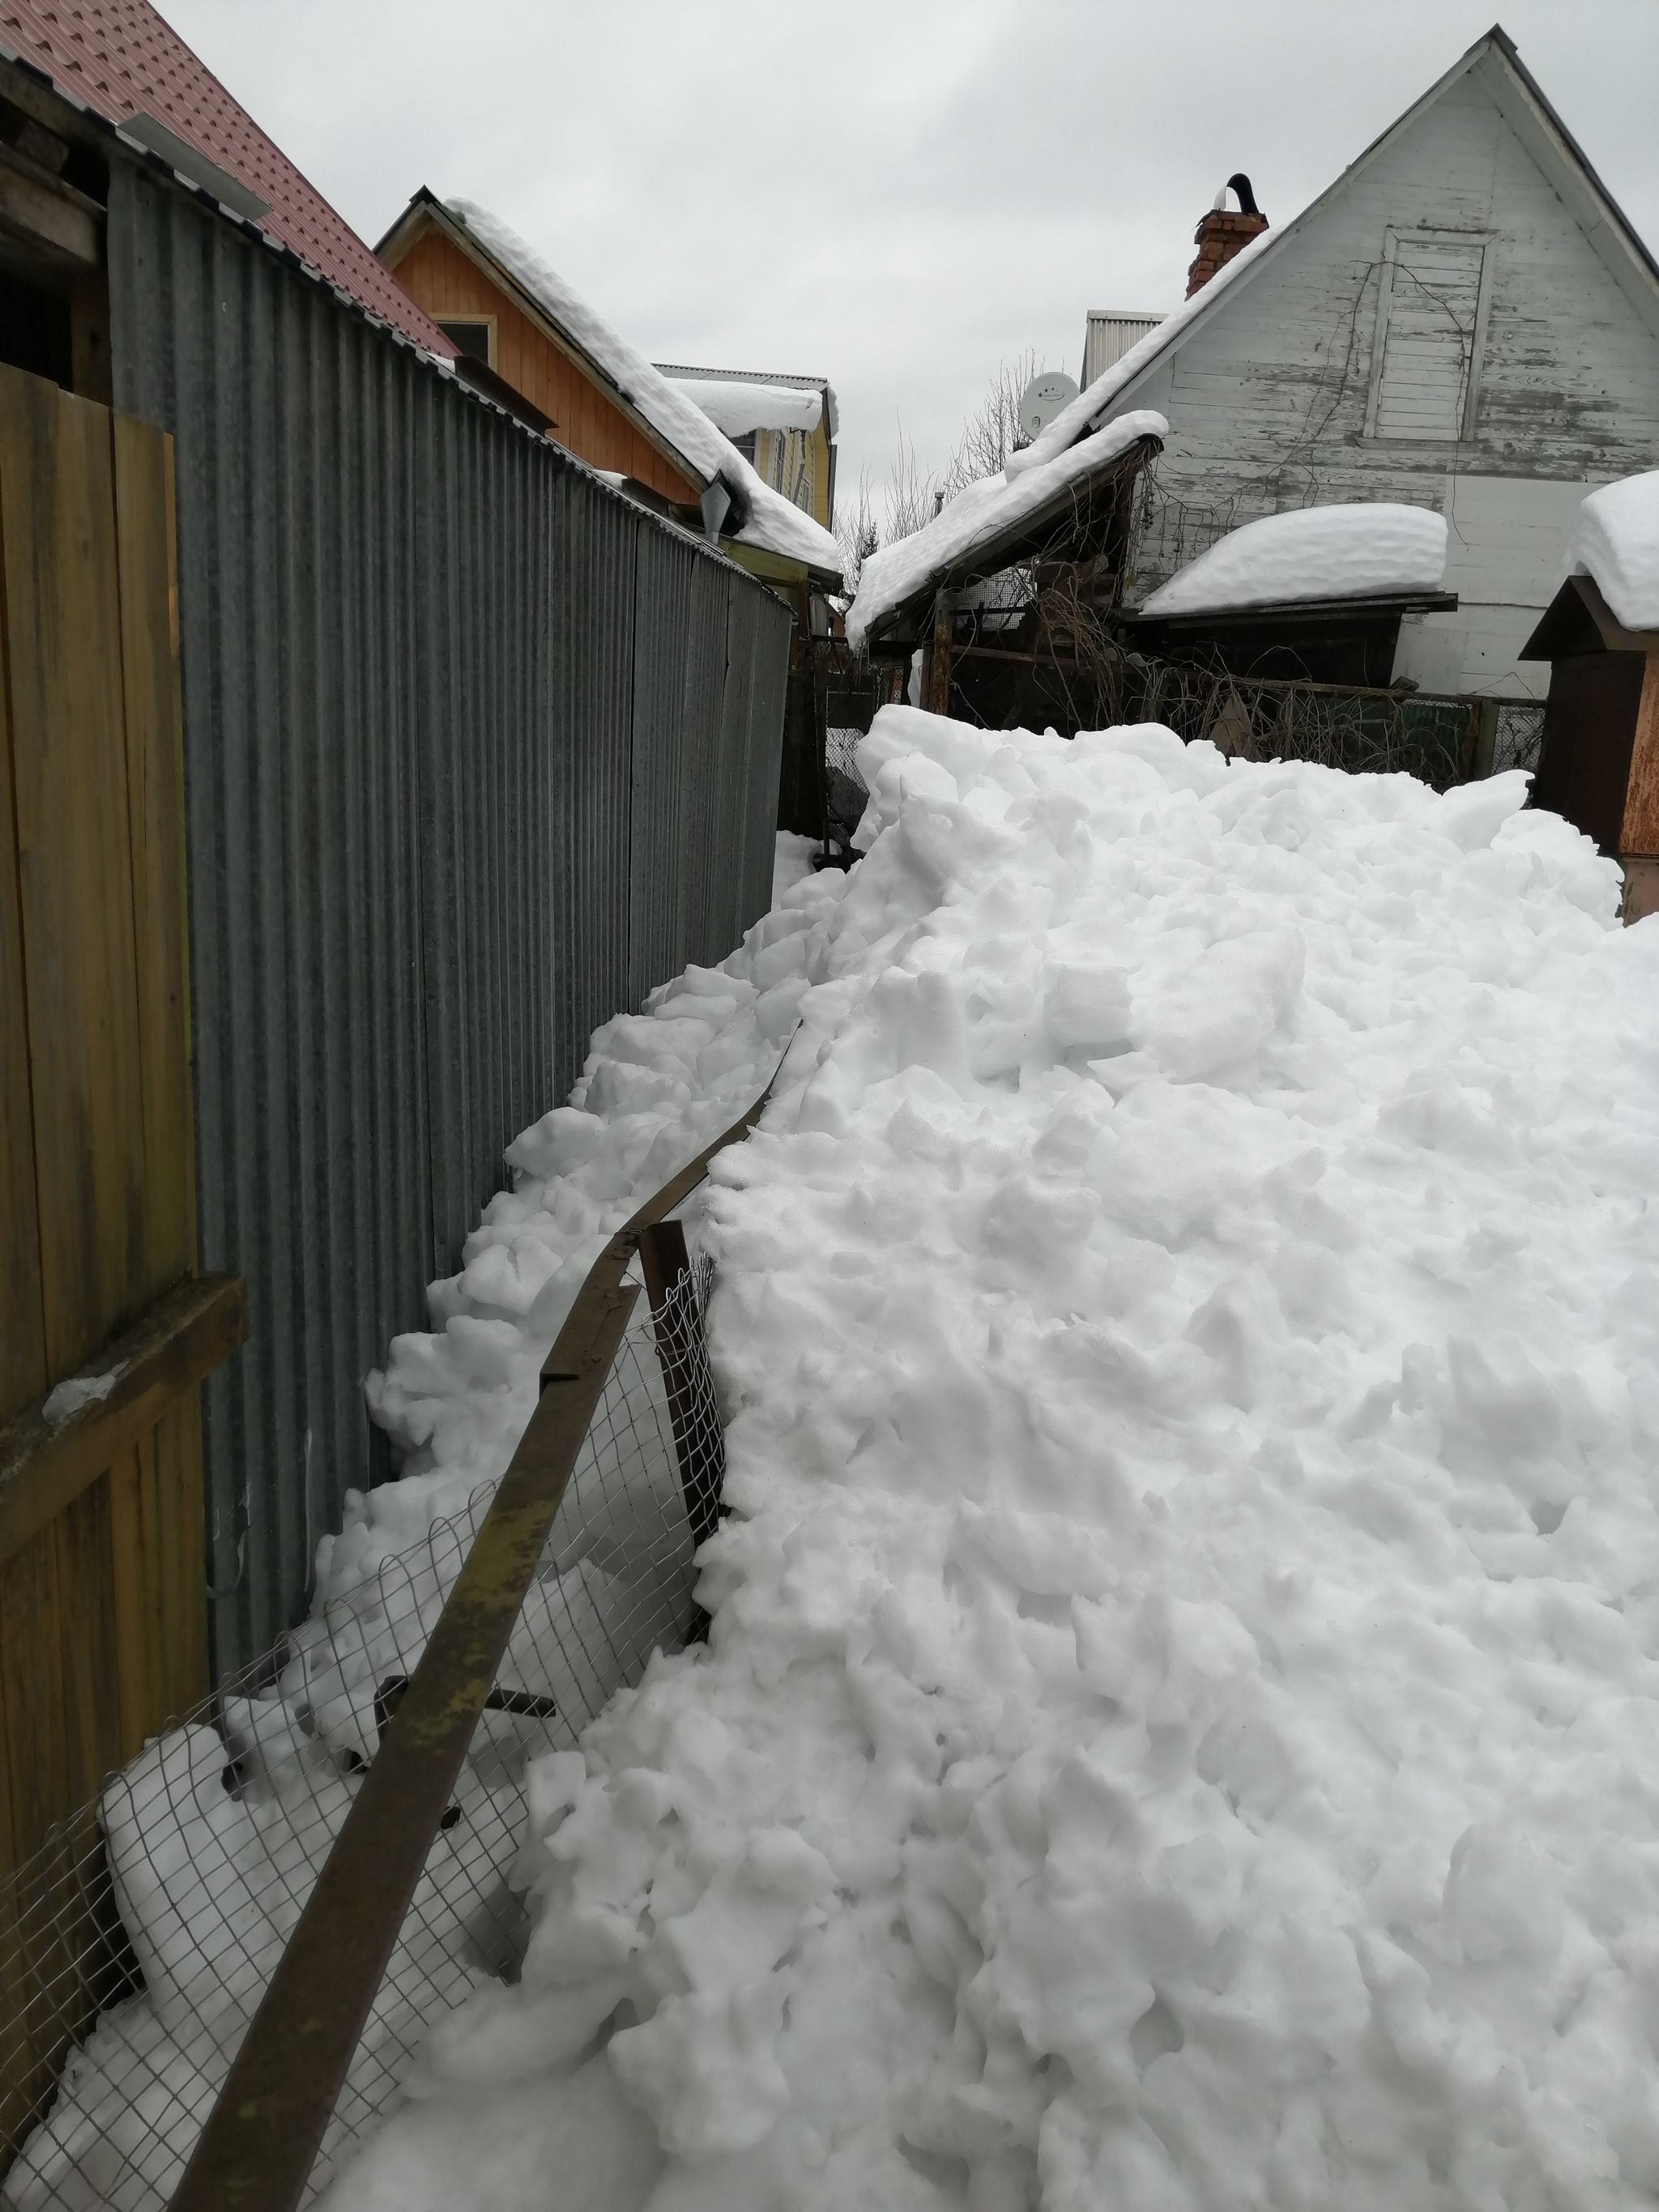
column 895, row 195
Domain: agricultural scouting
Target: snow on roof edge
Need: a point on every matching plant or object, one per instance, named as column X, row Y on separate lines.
column 770, row 524
column 979, row 515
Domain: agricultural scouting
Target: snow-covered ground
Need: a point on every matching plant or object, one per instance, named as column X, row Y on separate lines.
column 1181, row 1722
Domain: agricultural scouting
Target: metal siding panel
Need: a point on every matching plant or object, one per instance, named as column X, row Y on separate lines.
column 470, row 745
column 772, row 638
column 662, row 623
column 726, row 916
column 703, row 709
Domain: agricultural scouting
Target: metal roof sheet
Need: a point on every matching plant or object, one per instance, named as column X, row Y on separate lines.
column 119, row 59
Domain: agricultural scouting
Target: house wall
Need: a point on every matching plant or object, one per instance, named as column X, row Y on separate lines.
column 1267, row 401
column 445, row 281
column 797, row 464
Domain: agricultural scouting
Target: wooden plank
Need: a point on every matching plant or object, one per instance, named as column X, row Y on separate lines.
column 86, row 1577
column 1640, row 832
column 22, row 1316
column 155, row 798
column 31, row 1695
column 128, row 1616
column 68, row 754
column 45, row 1462
column 177, row 1440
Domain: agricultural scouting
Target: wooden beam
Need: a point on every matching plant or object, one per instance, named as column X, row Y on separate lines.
column 939, row 666
column 61, row 224
column 48, row 1457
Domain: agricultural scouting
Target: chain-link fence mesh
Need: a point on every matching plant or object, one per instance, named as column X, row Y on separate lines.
column 1519, row 740
column 160, row 1913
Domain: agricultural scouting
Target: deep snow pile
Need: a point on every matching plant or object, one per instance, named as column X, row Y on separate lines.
column 1312, row 553
column 209, row 1878
column 1180, row 1727
column 1617, row 542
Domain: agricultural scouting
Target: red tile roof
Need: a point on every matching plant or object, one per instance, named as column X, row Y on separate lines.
column 119, row 59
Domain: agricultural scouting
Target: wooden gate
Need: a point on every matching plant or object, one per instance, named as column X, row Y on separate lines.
column 106, row 1330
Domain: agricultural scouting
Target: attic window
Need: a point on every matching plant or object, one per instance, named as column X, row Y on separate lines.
column 473, row 337
column 1431, row 311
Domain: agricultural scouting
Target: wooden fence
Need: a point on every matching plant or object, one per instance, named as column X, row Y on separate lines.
column 105, row 1331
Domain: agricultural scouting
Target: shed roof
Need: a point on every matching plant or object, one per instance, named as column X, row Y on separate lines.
column 119, row 59
column 1578, row 620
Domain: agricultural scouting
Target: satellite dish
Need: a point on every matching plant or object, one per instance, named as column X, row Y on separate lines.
column 1042, row 399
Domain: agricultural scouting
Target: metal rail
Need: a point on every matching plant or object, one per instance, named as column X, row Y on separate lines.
column 256, row 2151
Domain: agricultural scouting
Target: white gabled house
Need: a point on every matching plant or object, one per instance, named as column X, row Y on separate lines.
column 1464, row 320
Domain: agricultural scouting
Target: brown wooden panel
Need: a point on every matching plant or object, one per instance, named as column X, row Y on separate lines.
column 129, row 1613
column 138, row 1660
column 155, row 795
column 31, row 1695
column 1640, row 832
column 22, row 1317
column 63, row 660
column 86, row 1592
column 178, row 1445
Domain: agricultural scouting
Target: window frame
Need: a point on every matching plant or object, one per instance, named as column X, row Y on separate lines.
column 470, row 315
column 1393, row 236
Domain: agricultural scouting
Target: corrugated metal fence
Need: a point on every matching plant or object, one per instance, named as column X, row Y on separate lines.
column 476, row 752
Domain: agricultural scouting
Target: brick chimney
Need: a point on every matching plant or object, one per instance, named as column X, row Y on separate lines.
column 1224, row 232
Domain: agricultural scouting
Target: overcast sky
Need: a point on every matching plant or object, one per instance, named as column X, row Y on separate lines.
column 896, row 196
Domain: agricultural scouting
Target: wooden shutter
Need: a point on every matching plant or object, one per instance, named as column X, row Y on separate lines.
column 1431, row 327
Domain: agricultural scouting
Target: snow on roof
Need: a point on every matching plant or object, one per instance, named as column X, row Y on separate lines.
column 686, row 373
column 978, row 517
column 737, row 407
column 1617, row 542
column 1312, row 553
column 118, row 58
column 771, row 523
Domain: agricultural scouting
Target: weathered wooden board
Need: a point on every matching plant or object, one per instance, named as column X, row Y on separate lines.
column 74, row 860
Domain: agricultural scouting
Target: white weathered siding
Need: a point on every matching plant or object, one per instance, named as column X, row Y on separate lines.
column 1268, row 399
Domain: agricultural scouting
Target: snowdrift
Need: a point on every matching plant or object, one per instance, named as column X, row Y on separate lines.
column 1182, row 1709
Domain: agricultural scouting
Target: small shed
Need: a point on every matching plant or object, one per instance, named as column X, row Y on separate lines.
column 1351, row 640
column 1600, row 764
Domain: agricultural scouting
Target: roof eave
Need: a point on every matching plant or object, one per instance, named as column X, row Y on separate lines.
column 1019, row 540
column 426, row 211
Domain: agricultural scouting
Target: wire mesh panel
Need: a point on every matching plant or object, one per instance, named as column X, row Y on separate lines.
column 157, row 1917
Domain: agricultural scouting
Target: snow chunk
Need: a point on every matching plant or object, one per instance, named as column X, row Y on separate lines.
column 1312, row 553
column 1617, row 542
column 737, row 407
column 979, row 516
column 75, row 1395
